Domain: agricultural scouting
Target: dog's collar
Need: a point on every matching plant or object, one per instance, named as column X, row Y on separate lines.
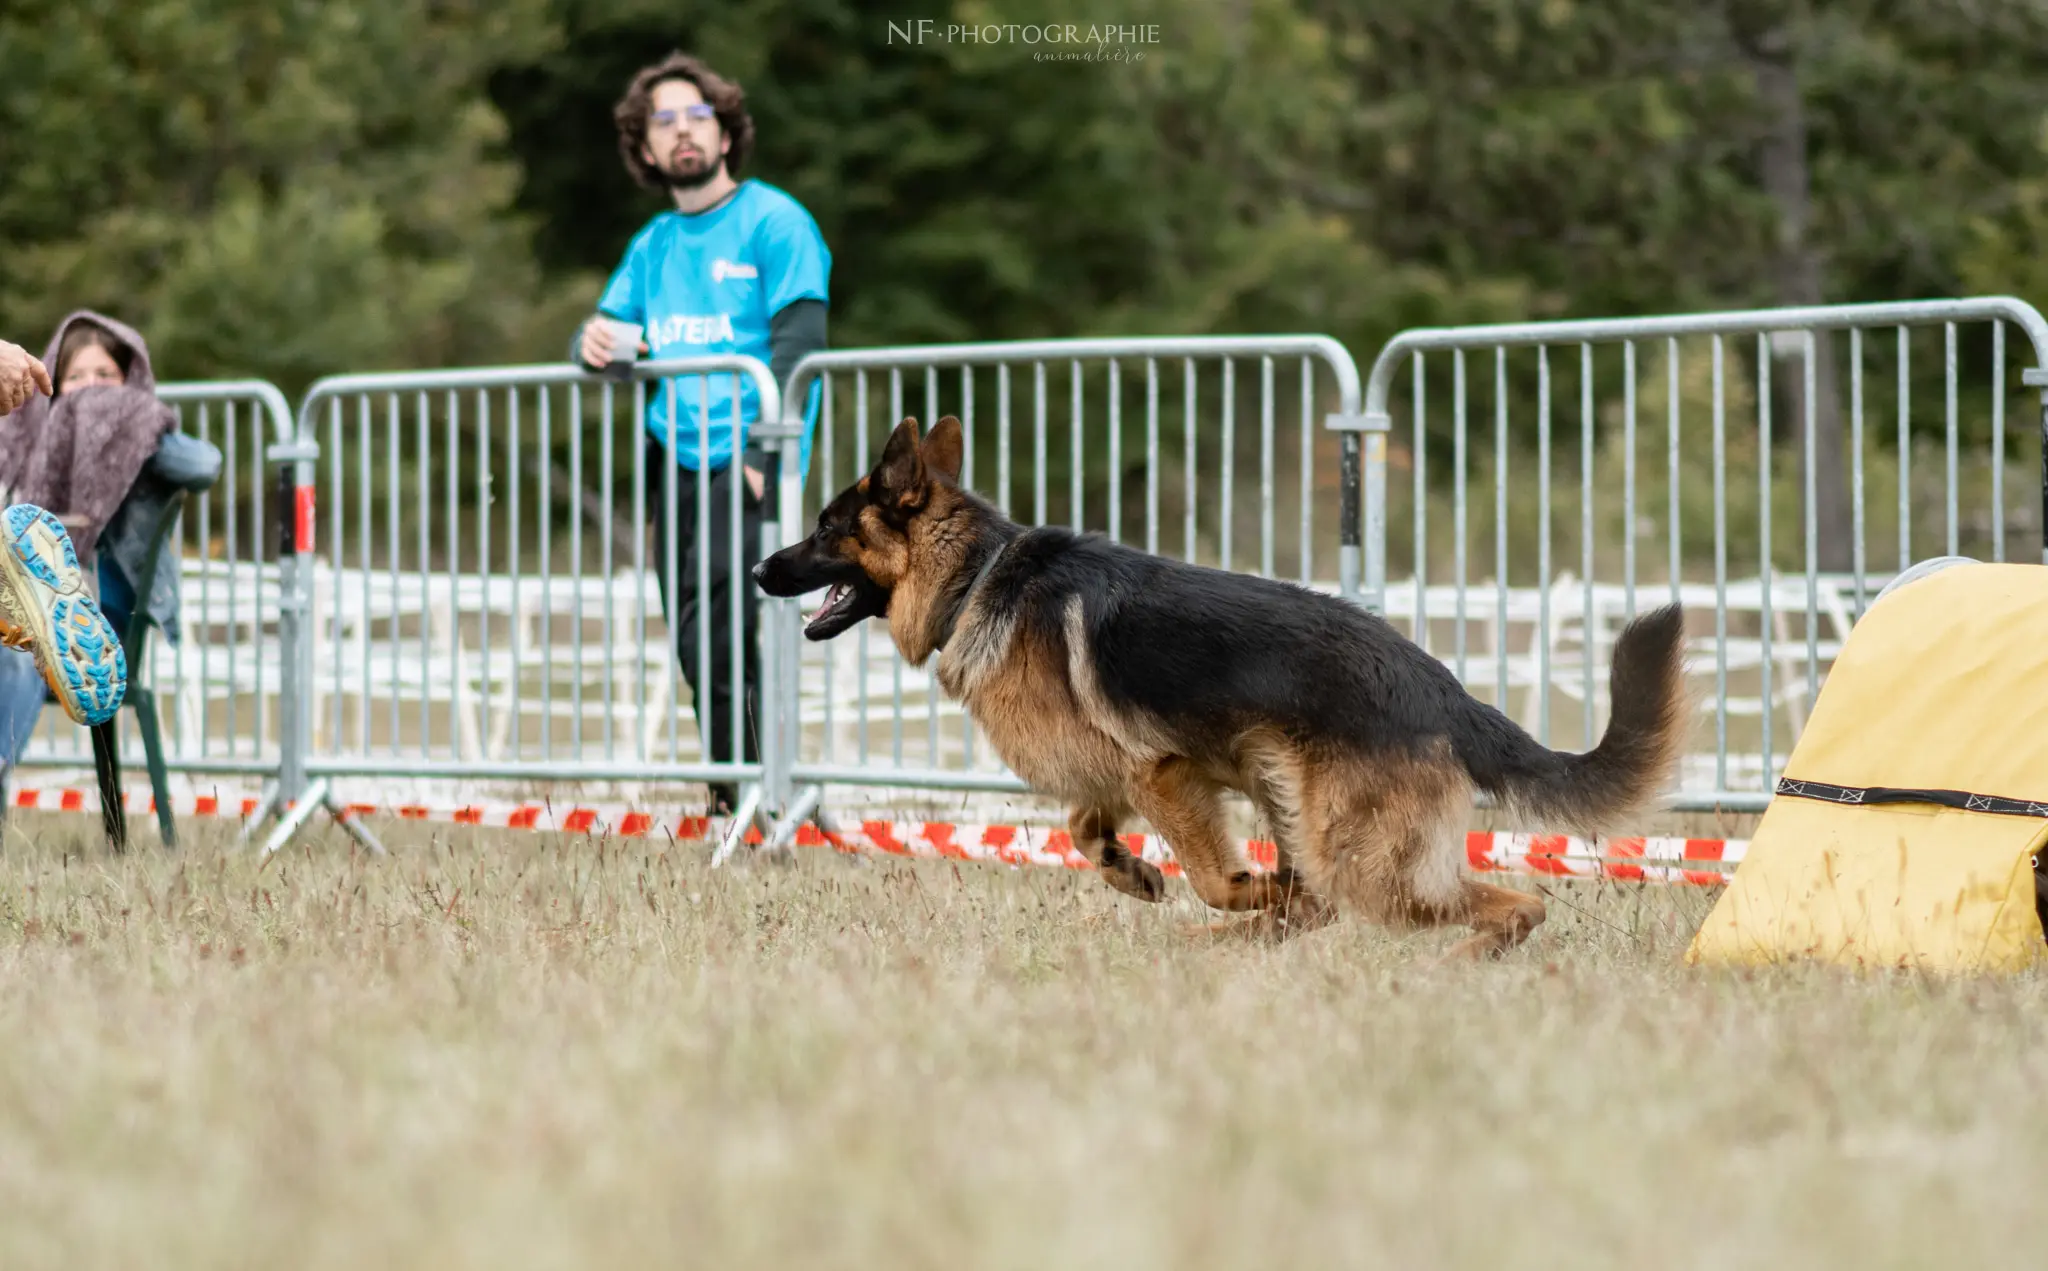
column 967, row 593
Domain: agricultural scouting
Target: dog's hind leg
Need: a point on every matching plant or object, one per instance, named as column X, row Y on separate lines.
column 1301, row 909
column 1093, row 830
column 1186, row 808
column 1393, row 849
column 1501, row 917
column 1300, row 912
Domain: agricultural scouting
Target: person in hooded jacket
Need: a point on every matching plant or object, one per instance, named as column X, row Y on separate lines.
column 104, row 456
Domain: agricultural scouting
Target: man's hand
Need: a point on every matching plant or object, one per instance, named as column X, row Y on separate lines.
column 753, row 479
column 21, row 374
column 597, row 344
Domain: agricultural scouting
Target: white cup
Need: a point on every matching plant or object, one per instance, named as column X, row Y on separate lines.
column 625, row 340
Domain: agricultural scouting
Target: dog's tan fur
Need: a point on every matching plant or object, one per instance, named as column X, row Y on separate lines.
column 1382, row 837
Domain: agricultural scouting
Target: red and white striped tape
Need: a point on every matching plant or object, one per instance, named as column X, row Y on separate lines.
column 68, row 800
column 1630, row 859
column 1675, row 860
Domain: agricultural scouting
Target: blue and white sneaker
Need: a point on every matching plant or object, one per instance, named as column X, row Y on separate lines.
column 46, row 610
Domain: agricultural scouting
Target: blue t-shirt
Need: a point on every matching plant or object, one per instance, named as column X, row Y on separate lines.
column 710, row 282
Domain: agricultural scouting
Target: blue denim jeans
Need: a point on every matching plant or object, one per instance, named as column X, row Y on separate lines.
column 21, row 701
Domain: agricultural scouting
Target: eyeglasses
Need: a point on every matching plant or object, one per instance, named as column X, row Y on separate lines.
column 695, row 112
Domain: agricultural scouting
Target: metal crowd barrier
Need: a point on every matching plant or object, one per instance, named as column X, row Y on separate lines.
column 221, row 687
column 1520, row 582
column 482, row 604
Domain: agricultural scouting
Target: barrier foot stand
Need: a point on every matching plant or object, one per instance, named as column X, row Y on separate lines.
column 266, row 803
column 320, row 797
column 828, row 825
column 742, row 821
column 347, row 819
column 784, row 833
column 312, row 797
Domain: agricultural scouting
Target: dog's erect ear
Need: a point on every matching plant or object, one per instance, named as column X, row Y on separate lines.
column 941, row 449
column 900, row 479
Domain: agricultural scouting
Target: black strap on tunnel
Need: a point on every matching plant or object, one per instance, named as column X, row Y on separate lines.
column 1963, row 799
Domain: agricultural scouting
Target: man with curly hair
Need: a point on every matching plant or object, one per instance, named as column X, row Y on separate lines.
column 737, row 267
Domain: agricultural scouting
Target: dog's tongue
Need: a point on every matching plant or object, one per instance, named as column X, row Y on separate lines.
column 833, row 599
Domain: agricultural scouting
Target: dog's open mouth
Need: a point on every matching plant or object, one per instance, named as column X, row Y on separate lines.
column 837, row 601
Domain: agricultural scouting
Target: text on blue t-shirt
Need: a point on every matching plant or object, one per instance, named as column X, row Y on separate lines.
column 709, row 283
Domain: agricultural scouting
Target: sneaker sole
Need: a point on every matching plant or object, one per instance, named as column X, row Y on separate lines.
column 44, row 593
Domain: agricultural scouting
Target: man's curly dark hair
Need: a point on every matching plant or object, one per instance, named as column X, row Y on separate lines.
column 720, row 93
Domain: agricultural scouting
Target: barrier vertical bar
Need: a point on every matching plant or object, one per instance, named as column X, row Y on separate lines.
column 2037, row 377
column 1189, row 454
column 1351, row 517
column 1812, row 528
column 1460, row 447
column 1628, row 479
column 1076, row 437
column 295, row 520
column 1905, row 452
column 1308, row 458
column 1500, row 528
column 1152, row 455
column 1418, row 406
column 1856, row 447
column 1720, row 572
column 1949, row 401
column 1671, row 463
column 1543, row 543
column 1586, row 540
column 1766, row 622
column 1229, row 523
column 1375, row 461
column 1116, row 452
column 1266, row 460
column 1998, row 440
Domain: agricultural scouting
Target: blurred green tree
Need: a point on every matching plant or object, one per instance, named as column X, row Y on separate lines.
column 277, row 190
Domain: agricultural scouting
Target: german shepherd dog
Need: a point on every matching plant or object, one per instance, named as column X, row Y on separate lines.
column 1122, row 682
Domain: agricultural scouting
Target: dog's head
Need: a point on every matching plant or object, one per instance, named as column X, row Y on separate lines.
column 860, row 550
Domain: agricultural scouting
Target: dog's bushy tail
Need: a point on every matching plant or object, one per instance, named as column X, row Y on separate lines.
column 1594, row 792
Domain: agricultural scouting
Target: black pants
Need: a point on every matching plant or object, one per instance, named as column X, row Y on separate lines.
column 713, row 702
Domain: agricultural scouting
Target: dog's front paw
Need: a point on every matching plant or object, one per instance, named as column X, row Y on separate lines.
column 1135, row 877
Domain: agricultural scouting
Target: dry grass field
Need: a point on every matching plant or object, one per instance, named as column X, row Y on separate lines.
column 515, row 1051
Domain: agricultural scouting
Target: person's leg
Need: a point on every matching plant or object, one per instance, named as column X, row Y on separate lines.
column 711, row 701
column 734, row 694
column 186, row 462
column 22, row 694
column 735, row 683
column 117, row 597
column 181, row 463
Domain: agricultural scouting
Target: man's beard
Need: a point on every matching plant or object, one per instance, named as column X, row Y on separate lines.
column 703, row 172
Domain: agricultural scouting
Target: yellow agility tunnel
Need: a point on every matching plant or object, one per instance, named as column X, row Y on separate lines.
column 1903, row 829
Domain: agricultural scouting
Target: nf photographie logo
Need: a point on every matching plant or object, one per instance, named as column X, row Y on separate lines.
column 1048, row 41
